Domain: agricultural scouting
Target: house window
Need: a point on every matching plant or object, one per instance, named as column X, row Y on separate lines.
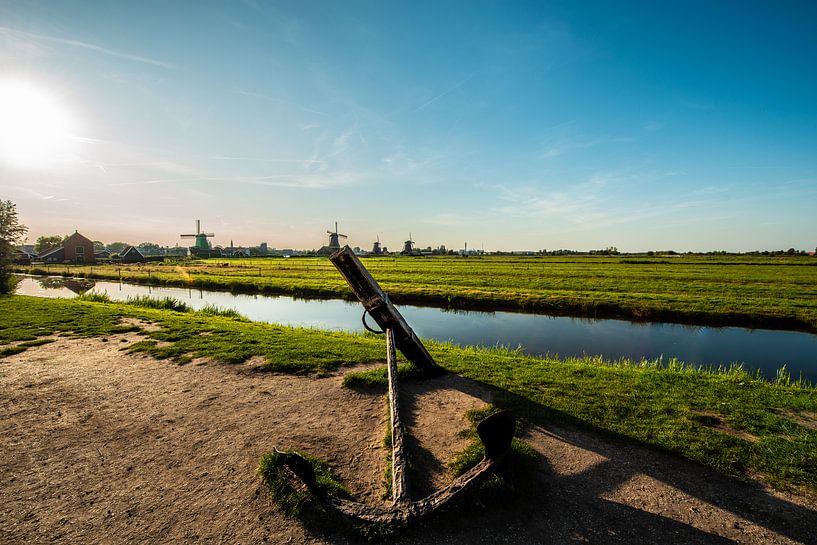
column 80, row 250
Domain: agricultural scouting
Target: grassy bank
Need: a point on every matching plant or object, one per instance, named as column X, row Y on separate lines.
column 747, row 291
column 728, row 420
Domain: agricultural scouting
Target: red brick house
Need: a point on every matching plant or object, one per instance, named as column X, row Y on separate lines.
column 74, row 249
column 78, row 249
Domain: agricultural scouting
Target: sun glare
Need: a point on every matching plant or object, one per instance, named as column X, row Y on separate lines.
column 36, row 130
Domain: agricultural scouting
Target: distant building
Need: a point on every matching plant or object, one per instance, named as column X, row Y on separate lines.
column 54, row 255
column 235, row 251
column 131, row 255
column 20, row 256
column 75, row 249
column 78, row 249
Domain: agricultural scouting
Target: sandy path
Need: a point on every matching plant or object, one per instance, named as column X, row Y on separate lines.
column 97, row 446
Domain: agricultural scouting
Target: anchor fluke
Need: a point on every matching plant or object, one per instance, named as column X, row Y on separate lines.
column 496, row 434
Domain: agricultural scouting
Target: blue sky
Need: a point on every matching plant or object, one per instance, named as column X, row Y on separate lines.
column 642, row 125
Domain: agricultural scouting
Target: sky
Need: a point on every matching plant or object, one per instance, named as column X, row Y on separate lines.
column 507, row 125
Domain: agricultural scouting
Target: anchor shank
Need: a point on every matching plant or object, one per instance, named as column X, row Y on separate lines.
column 399, row 475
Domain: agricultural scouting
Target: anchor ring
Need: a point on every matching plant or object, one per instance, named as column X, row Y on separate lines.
column 376, row 332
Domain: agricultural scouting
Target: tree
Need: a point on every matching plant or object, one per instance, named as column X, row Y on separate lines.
column 117, row 247
column 11, row 233
column 150, row 248
column 99, row 246
column 45, row 243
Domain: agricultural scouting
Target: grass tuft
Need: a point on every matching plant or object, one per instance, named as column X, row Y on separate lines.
column 165, row 303
column 11, row 350
column 516, row 474
column 290, row 497
column 94, row 297
column 379, row 376
column 215, row 310
column 297, row 502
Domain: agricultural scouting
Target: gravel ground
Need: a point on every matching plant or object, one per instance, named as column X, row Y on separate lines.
column 99, row 446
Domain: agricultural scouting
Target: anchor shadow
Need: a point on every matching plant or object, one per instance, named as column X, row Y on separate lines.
column 614, row 493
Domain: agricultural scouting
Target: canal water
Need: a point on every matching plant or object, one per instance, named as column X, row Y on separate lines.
column 766, row 350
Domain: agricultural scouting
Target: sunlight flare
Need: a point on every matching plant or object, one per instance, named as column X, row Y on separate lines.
column 36, row 129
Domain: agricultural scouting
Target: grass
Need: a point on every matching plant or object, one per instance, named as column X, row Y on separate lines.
column 778, row 292
column 514, row 476
column 164, row 303
column 187, row 335
column 300, row 503
column 294, row 501
column 726, row 419
column 21, row 347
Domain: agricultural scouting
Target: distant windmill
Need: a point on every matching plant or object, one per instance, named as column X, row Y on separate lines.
column 408, row 247
column 334, row 238
column 376, row 249
column 201, row 245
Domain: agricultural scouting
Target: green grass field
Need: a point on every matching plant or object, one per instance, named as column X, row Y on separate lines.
column 750, row 291
column 728, row 420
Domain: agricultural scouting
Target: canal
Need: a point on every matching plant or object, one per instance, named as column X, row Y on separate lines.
column 536, row 334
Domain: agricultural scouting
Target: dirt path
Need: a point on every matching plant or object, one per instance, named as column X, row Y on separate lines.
column 97, row 446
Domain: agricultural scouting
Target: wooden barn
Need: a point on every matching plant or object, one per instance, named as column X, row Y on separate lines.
column 131, row 255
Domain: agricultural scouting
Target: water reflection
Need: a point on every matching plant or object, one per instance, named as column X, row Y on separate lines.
column 536, row 334
column 76, row 285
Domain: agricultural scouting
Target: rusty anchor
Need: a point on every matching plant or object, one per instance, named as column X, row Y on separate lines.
column 495, row 432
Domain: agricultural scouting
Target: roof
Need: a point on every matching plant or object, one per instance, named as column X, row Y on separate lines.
column 129, row 250
column 78, row 237
column 51, row 252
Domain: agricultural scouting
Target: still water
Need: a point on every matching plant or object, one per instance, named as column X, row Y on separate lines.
column 536, row 334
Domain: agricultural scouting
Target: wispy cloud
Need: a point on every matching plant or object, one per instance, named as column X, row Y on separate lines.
column 281, row 101
column 560, row 146
column 297, row 180
column 304, row 162
column 448, row 219
column 440, row 95
column 20, row 34
column 594, row 203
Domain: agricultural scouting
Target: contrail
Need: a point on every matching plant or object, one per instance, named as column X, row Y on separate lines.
column 441, row 95
column 85, row 45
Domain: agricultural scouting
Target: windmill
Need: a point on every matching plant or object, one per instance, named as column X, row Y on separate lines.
column 376, row 249
column 201, row 246
column 408, row 247
column 334, row 238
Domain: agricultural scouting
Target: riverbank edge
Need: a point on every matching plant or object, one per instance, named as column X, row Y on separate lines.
column 545, row 305
column 727, row 419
